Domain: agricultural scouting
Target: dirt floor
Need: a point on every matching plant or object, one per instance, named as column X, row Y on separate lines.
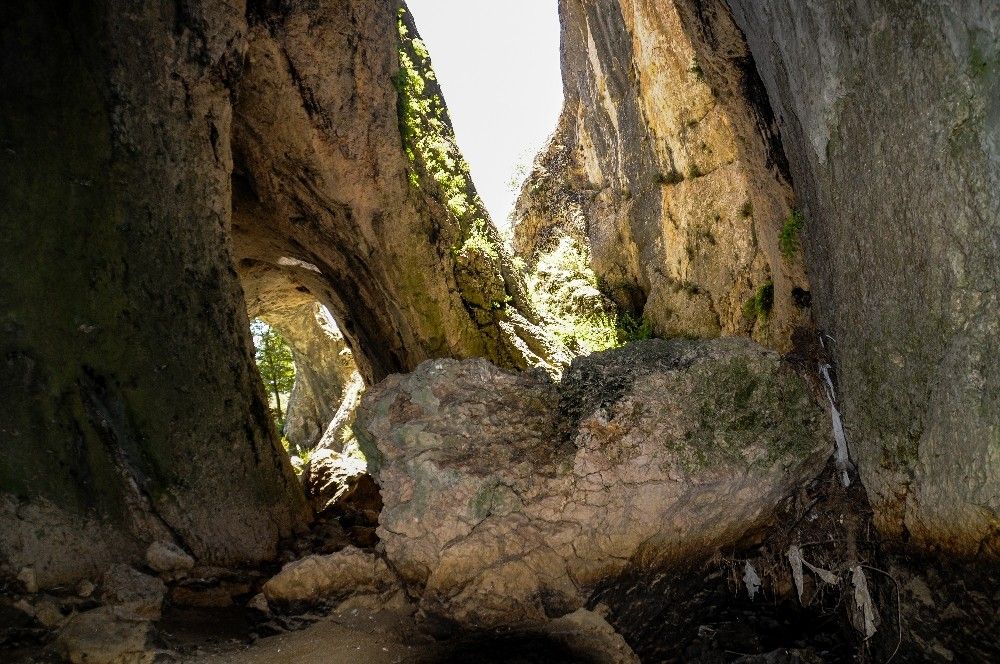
column 357, row 635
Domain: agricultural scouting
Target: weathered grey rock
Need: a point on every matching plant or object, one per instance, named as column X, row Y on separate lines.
column 132, row 592
column 330, row 577
column 47, row 611
column 508, row 497
column 105, row 635
column 665, row 165
column 163, row 556
column 28, row 579
column 890, row 116
column 259, row 603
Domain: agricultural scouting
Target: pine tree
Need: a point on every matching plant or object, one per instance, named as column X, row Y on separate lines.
column 274, row 360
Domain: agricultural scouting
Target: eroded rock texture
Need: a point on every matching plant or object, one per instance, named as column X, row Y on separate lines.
column 508, row 497
column 133, row 411
column 348, row 187
column 890, row 116
column 325, row 372
column 666, row 165
column 142, row 148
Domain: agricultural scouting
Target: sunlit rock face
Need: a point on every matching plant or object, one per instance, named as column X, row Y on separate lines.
column 348, row 182
column 508, row 497
column 324, row 370
column 665, row 164
column 889, row 117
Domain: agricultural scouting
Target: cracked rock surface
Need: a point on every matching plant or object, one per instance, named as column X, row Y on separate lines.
column 508, row 496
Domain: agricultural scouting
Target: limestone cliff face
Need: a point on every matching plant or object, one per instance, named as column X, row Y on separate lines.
column 153, row 158
column 666, row 165
column 132, row 406
column 890, row 117
column 348, row 183
column 324, row 364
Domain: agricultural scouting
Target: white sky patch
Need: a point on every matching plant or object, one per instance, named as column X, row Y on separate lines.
column 498, row 66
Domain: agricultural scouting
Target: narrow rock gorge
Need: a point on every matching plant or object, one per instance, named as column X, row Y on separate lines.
column 727, row 391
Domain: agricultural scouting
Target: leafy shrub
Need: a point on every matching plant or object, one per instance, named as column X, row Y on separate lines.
column 760, row 305
column 788, row 238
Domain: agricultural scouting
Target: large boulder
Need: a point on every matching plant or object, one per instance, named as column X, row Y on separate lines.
column 132, row 592
column 508, row 496
column 106, row 635
column 330, row 577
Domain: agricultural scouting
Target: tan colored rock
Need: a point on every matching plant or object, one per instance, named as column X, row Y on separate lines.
column 330, row 577
column 163, row 556
column 590, row 637
column 85, row 588
column 28, row 579
column 509, row 497
column 132, row 592
column 332, row 201
column 666, row 167
column 106, row 636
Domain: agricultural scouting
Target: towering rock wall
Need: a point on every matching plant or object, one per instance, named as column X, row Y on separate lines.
column 349, row 183
column 132, row 406
column 665, row 165
column 890, row 116
column 153, row 157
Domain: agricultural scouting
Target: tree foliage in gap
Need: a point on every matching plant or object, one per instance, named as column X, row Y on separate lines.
column 274, row 361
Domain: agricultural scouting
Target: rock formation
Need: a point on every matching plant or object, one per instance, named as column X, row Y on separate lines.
column 889, row 116
column 147, row 151
column 134, row 412
column 666, row 167
column 348, row 184
column 168, row 168
column 508, row 498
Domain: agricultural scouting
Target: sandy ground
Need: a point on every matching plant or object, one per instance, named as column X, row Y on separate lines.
column 356, row 632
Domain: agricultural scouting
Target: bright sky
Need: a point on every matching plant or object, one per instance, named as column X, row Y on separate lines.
column 498, row 66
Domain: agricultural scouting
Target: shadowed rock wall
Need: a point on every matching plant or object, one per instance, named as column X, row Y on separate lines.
column 890, row 116
column 132, row 406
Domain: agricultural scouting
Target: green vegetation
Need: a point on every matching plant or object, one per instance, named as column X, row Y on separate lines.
column 694, row 171
column 695, row 69
column 788, row 238
column 760, row 305
column 564, row 289
column 429, row 143
column 633, row 329
column 670, row 177
column 566, row 292
column 274, row 361
column 980, row 62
